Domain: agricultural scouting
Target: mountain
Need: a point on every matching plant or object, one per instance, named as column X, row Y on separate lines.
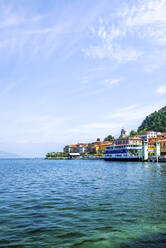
column 155, row 121
column 4, row 154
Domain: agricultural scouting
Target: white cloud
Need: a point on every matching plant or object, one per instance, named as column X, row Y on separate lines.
column 109, row 51
column 143, row 20
column 148, row 19
column 111, row 82
column 96, row 69
column 161, row 90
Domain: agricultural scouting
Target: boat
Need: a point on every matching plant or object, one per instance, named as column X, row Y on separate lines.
column 123, row 153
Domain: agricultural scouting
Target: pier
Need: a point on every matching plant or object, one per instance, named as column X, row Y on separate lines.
column 157, row 157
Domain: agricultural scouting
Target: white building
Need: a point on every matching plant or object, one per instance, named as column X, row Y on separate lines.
column 147, row 135
column 82, row 148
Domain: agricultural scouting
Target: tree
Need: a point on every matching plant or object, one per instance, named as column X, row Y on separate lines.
column 133, row 133
column 109, row 138
column 98, row 139
column 155, row 121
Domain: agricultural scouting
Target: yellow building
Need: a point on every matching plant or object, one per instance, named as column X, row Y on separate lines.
column 163, row 146
column 99, row 147
column 151, row 142
column 94, row 147
column 151, row 145
column 103, row 146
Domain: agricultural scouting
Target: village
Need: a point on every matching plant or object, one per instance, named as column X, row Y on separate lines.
column 97, row 148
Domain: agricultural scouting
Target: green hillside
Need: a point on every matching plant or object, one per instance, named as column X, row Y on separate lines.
column 155, row 121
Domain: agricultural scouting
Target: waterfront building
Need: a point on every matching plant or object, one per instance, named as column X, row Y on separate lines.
column 163, row 146
column 70, row 149
column 161, row 134
column 66, row 149
column 147, row 135
column 98, row 146
column 133, row 140
column 151, row 145
column 151, row 142
column 127, row 140
column 82, row 148
column 93, row 147
column 103, row 146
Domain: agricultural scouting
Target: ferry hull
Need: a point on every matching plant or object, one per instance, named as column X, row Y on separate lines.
column 122, row 159
column 162, row 159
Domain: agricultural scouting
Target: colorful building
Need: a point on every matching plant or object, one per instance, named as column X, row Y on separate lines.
column 103, row 145
column 127, row 140
column 151, row 145
column 163, row 146
column 70, row 149
column 148, row 135
column 82, row 148
column 98, row 146
column 161, row 134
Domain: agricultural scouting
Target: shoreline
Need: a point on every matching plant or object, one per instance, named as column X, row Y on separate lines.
column 151, row 160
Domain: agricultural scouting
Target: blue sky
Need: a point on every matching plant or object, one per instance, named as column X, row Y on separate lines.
column 72, row 71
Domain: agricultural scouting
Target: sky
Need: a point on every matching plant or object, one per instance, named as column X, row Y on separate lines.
column 73, row 71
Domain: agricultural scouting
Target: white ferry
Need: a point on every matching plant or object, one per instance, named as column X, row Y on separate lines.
column 123, row 153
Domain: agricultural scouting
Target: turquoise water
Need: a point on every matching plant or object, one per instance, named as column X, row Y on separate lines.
column 82, row 204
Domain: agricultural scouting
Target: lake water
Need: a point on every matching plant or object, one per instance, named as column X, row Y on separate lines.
column 82, row 204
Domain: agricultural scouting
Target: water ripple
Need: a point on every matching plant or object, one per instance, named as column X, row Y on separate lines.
column 77, row 204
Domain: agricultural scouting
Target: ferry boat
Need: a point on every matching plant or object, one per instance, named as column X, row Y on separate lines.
column 123, row 153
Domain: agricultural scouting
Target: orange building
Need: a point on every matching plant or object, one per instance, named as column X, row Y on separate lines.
column 83, row 148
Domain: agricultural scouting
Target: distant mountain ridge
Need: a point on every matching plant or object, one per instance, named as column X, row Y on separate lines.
column 4, row 154
column 155, row 121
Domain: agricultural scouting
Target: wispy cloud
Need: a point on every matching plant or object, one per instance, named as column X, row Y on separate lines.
column 161, row 90
column 132, row 113
column 25, row 33
column 148, row 18
column 96, row 69
column 112, row 52
column 118, row 36
column 126, row 117
column 84, row 80
column 111, row 82
column 42, row 33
